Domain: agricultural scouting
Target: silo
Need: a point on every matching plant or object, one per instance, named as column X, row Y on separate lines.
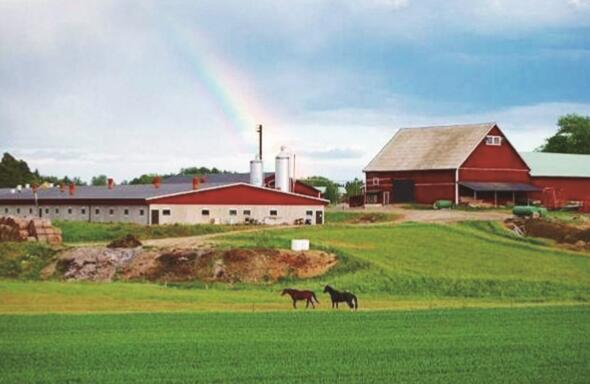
column 282, row 171
column 257, row 172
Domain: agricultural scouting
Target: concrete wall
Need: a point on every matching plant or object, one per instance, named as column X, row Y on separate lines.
column 192, row 214
column 81, row 212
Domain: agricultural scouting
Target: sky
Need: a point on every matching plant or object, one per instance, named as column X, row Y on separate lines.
column 124, row 88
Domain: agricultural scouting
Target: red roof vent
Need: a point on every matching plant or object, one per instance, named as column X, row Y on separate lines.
column 72, row 189
column 157, row 181
column 196, row 181
column 110, row 183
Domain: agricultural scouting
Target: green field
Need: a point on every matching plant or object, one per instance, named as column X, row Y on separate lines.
column 544, row 345
column 79, row 231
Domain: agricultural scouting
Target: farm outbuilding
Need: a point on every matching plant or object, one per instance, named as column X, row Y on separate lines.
column 460, row 163
column 196, row 203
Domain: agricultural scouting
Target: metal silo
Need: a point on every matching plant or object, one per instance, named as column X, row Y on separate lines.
column 282, row 171
column 256, row 172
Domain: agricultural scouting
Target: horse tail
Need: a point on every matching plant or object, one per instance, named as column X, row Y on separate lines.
column 315, row 298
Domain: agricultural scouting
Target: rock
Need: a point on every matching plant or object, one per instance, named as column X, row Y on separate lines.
column 128, row 241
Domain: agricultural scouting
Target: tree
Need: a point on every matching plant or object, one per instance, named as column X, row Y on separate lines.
column 143, row 179
column 331, row 187
column 99, row 180
column 14, row 172
column 354, row 188
column 573, row 136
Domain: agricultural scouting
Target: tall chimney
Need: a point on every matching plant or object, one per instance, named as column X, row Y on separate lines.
column 110, row 183
column 72, row 189
column 259, row 130
column 157, row 181
column 196, row 181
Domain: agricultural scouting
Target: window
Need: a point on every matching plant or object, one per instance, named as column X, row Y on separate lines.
column 97, row 211
column 47, row 211
column 247, row 212
column 165, row 212
column 205, row 212
column 308, row 213
column 233, row 212
column 111, row 211
column 141, row 212
column 493, row 140
column 274, row 212
column 126, row 212
column 18, row 211
column 69, row 211
column 30, row 211
column 83, row 211
column 375, row 181
column 5, row 210
column 57, row 211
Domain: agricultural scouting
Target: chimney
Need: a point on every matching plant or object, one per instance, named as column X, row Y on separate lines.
column 157, row 181
column 72, row 189
column 196, row 181
column 110, row 183
column 35, row 187
column 62, row 187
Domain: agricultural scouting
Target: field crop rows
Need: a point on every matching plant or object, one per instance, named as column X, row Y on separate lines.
column 525, row 345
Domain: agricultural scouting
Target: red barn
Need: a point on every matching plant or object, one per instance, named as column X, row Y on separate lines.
column 561, row 177
column 457, row 163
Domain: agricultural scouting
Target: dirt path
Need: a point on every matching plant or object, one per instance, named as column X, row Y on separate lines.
column 196, row 241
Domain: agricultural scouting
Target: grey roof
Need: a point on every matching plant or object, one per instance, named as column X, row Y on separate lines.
column 440, row 147
column 212, row 178
column 132, row 192
column 498, row 187
column 557, row 164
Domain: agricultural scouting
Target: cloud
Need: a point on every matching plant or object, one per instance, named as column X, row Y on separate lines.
column 334, row 153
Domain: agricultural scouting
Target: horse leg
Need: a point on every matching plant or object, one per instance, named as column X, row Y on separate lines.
column 312, row 304
column 294, row 304
column 336, row 305
column 306, row 303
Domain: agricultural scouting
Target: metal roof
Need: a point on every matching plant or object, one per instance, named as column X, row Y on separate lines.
column 127, row 192
column 498, row 187
column 557, row 164
column 440, row 147
column 213, row 178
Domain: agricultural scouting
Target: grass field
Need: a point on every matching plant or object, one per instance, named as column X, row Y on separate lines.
column 76, row 232
column 353, row 217
column 549, row 345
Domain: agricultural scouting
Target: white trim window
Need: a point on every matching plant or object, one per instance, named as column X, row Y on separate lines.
column 494, row 140
column 375, row 181
column 205, row 212
column 233, row 212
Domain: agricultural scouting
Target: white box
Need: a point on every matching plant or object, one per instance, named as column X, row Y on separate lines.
column 300, row 245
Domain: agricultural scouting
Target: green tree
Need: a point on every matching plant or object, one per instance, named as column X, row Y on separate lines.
column 99, row 180
column 331, row 187
column 143, row 179
column 354, row 187
column 14, row 172
column 573, row 136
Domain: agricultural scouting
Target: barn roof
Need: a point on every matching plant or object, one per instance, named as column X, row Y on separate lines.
column 557, row 164
column 424, row 148
column 119, row 192
column 213, row 178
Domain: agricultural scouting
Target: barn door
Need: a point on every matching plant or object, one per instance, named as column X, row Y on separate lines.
column 155, row 217
column 404, row 191
column 319, row 217
column 386, row 198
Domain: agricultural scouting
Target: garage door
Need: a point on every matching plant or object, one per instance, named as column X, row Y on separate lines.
column 404, row 191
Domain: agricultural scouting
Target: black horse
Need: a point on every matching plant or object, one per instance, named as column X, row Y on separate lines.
column 342, row 297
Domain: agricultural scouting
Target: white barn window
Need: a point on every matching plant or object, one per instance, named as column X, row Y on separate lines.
column 493, row 140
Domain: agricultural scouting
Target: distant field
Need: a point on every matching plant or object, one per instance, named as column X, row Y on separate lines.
column 75, row 232
column 550, row 345
column 354, row 217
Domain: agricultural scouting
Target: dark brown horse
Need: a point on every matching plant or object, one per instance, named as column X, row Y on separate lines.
column 342, row 297
column 297, row 295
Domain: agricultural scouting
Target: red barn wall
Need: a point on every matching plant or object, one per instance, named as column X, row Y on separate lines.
column 238, row 195
column 430, row 185
column 568, row 188
column 494, row 163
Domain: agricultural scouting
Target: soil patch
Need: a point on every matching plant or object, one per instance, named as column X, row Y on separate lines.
column 128, row 241
column 204, row 263
column 572, row 236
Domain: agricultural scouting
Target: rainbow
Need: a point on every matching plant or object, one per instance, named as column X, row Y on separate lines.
column 233, row 95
